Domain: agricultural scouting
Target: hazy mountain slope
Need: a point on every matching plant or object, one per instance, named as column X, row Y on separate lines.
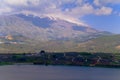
column 16, row 26
column 29, row 33
column 107, row 44
column 102, row 44
column 46, row 28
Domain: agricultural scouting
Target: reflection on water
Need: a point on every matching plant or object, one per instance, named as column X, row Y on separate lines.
column 35, row 72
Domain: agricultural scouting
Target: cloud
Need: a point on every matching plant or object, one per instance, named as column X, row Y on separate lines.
column 96, row 2
column 70, row 9
column 5, row 10
column 104, row 11
column 104, row 2
column 21, row 2
column 110, row 1
column 80, row 7
column 15, row 2
column 87, row 9
column 82, row 10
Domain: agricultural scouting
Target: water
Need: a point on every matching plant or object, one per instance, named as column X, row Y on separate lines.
column 36, row 72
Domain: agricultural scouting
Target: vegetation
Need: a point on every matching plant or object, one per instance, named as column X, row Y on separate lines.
column 106, row 44
column 68, row 58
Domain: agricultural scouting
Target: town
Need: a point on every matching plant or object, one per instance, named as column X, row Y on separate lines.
column 68, row 58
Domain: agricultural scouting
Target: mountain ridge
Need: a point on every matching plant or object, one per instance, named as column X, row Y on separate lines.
column 31, row 33
column 43, row 28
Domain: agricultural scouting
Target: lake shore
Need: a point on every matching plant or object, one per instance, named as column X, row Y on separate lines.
column 68, row 59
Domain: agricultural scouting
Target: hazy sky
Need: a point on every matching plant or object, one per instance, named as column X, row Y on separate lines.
column 99, row 14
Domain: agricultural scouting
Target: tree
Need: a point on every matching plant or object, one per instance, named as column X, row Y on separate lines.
column 42, row 52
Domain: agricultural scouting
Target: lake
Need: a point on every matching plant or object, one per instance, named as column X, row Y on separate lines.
column 38, row 72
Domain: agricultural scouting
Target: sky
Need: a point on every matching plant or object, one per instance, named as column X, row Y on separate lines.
column 99, row 14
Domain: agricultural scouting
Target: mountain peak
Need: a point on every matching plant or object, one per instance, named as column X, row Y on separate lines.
column 55, row 17
column 46, row 27
column 66, row 18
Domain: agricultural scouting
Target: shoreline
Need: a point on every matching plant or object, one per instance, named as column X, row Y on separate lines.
column 64, row 59
column 19, row 64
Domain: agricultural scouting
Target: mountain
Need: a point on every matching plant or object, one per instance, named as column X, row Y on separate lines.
column 29, row 33
column 107, row 44
column 45, row 28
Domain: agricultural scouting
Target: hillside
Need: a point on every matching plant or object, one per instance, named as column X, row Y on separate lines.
column 110, row 44
column 45, row 28
column 107, row 44
column 20, row 33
